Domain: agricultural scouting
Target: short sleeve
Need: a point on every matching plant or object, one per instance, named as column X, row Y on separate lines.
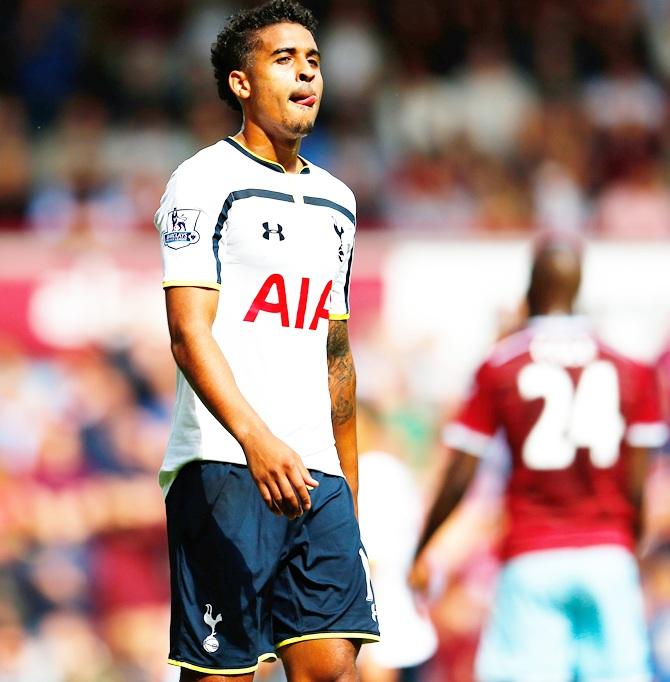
column 189, row 234
column 339, row 295
column 477, row 422
column 645, row 427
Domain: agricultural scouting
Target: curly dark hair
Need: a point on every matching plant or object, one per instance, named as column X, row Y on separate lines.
column 237, row 41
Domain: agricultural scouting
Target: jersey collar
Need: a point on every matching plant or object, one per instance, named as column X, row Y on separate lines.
column 559, row 321
column 273, row 165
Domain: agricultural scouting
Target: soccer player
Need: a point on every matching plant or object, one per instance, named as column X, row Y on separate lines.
column 579, row 419
column 390, row 518
column 260, row 473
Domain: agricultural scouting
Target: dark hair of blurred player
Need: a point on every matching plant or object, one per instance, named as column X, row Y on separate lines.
column 555, row 278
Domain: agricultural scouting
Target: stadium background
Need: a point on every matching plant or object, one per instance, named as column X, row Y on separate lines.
column 463, row 126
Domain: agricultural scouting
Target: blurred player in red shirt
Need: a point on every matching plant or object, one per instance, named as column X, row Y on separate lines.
column 579, row 419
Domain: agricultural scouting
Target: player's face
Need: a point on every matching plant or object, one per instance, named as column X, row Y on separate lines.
column 285, row 82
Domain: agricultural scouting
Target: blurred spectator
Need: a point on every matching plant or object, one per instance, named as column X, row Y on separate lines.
column 554, row 147
column 47, row 40
column 23, row 658
column 426, row 193
column 553, row 57
column 415, row 110
column 141, row 157
column 23, row 404
column 656, row 570
column 15, row 164
column 559, row 201
column 503, row 202
column 200, row 28
column 350, row 46
column 76, row 198
column 656, row 16
column 209, row 120
column 495, row 99
column 78, row 652
column 637, row 204
column 624, row 97
column 357, row 161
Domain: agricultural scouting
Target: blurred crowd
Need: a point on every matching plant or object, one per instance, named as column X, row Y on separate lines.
column 489, row 116
column 83, row 570
column 83, row 560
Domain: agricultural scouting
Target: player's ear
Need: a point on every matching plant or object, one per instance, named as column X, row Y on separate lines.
column 239, row 84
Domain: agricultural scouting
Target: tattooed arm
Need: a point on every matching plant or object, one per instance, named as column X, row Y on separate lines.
column 342, row 385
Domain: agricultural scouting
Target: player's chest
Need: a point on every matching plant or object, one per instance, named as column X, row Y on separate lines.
column 280, row 232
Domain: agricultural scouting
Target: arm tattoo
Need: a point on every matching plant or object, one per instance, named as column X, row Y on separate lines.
column 341, row 373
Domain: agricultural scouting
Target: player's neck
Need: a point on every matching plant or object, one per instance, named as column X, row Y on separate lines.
column 281, row 151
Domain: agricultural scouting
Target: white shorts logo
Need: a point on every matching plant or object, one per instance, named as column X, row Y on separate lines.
column 210, row 643
column 182, row 230
column 369, row 597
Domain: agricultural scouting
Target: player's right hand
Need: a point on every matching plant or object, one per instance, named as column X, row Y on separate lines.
column 419, row 576
column 280, row 475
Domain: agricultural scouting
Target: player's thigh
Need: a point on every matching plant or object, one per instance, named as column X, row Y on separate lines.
column 222, row 563
column 322, row 589
column 321, row 660
column 528, row 635
column 613, row 639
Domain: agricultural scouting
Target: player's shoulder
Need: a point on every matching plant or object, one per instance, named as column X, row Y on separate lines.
column 325, row 177
column 203, row 161
column 332, row 186
column 207, row 177
column 621, row 360
column 509, row 348
column 501, row 361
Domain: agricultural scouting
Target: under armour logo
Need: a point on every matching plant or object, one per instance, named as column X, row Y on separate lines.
column 273, row 230
column 339, row 231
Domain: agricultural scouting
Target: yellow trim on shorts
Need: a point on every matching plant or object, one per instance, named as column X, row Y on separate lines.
column 225, row 671
column 188, row 283
column 336, row 316
column 366, row 637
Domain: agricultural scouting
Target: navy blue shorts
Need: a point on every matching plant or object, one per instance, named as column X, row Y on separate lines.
column 246, row 582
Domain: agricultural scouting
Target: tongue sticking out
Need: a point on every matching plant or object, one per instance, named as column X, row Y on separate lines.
column 307, row 101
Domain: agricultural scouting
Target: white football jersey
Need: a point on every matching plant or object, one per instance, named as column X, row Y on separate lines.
column 279, row 247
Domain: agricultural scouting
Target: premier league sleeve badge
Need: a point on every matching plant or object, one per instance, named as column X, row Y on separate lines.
column 181, row 230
